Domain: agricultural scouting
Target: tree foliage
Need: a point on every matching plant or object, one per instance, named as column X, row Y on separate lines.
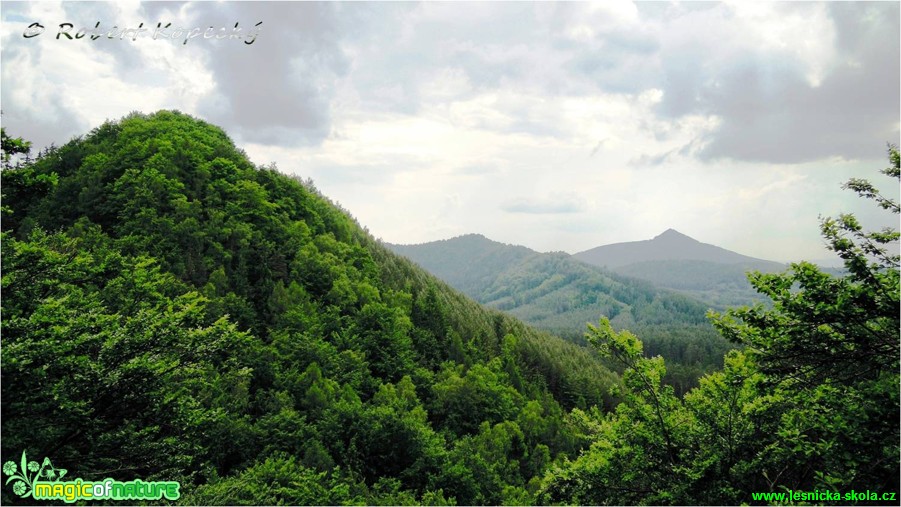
column 172, row 312
column 810, row 402
column 10, row 147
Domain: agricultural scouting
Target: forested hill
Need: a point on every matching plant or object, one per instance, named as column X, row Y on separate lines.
column 556, row 292
column 172, row 311
column 549, row 290
column 469, row 262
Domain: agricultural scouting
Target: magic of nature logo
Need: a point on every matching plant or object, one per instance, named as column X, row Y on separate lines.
column 43, row 481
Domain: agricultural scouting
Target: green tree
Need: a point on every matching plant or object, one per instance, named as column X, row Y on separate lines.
column 106, row 358
column 463, row 402
column 831, row 344
column 195, row 318
column 279, row 480
column 12, row 146
column 810, row 402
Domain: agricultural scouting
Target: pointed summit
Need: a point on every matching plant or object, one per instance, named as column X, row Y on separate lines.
column 672, row 234
column 666, row 246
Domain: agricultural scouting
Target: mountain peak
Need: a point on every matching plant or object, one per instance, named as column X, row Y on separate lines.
column 672, row 234
column 670, row 245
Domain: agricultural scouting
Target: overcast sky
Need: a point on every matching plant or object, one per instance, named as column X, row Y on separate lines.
column 558, row 126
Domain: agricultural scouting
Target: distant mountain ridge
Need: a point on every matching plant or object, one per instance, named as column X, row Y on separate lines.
column 467, row 262
column 667, row 246
column 550, row 290
column 673, row 260
column 559, row 293
column 499, row 274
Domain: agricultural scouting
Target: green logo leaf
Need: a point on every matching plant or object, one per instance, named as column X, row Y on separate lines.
column 27, row 472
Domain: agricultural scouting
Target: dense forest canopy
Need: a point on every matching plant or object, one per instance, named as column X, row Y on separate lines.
column 172, row 312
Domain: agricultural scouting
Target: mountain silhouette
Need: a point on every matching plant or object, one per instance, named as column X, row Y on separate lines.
column 670, row 245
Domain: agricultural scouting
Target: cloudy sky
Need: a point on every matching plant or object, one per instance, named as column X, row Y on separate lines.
column 559, row 126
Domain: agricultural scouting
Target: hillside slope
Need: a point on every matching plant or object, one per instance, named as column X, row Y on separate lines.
column 172, row 312
column 675, row 261
column 556, row 292
column 469, row 262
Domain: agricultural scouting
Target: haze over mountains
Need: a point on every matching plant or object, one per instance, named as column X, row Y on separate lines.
column 667, row 246
column 557, row 292
column 673, row 260
column 713, row 275
column 549, row 290
column 659, row 288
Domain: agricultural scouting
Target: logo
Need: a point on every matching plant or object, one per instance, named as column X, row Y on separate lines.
column 45, row 482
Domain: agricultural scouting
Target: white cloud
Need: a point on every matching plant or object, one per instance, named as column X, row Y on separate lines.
column 587, row 123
